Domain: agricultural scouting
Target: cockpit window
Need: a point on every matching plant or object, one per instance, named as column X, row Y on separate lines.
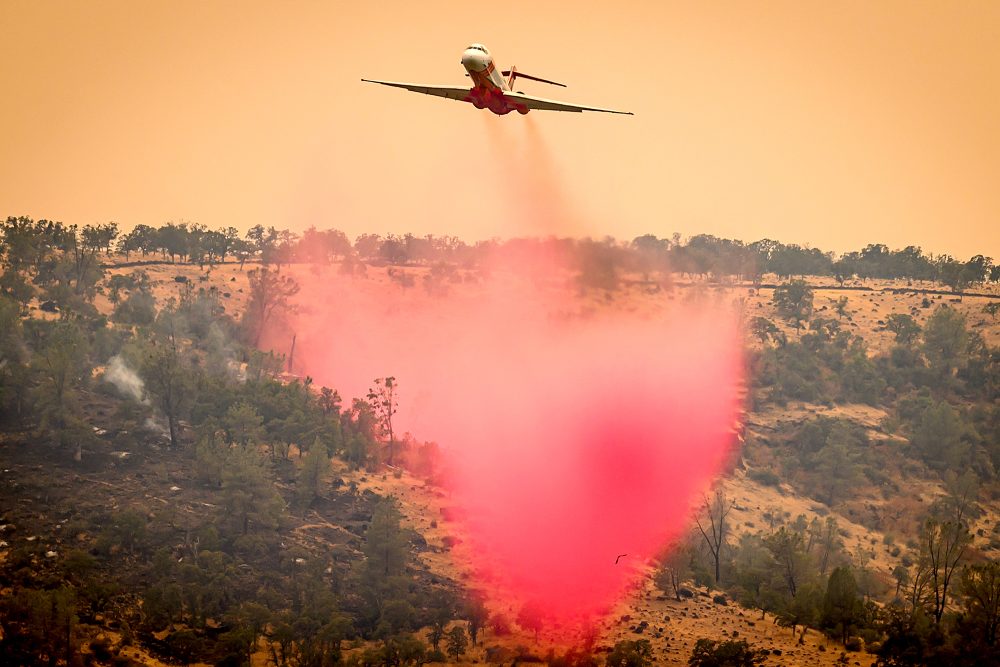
column 478, row 47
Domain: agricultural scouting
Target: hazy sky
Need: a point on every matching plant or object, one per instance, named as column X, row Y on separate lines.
column 833, row 124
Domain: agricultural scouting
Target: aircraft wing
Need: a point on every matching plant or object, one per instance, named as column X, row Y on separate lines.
column 450, row 92
column 552, row 105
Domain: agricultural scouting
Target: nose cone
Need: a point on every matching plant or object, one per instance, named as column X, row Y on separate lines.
column 474, row 60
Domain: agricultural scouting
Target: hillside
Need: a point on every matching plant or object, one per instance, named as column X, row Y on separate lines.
column 63, row 506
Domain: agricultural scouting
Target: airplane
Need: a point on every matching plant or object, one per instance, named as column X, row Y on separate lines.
column 490, row 90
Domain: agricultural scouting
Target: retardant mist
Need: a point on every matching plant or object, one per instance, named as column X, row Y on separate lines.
column 574, row 432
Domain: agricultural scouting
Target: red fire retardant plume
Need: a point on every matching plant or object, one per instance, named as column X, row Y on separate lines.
column 570, row 439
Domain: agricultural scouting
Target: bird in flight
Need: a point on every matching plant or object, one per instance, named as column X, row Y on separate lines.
column 620, row 556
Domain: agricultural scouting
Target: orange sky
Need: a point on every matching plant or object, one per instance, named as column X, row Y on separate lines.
column 834, row 124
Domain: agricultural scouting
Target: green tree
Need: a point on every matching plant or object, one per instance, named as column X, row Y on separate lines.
column 765, row 330
column 248, row 492
column 803, row 608
column 860, row 379
column 788, row 549
column 901, row 574
column 904, row 327
column 242, row 250
column 753, row 573
column 60, row 365
column 243, row 424
column 40, row 627
column 127, row 529
column 827, row 543
column 384, row 403
column 385, row 547
column 938, row 437
column 908, row 639
column 270, row 295
column 946, row 340
column 310, row 478
column 477, row 615
column 16, row 287
column 139, row 308
column 841, row 307
column 402, row 649
column 836, row 464
column 82, row 255
column 247, row 622
column 457, row 642
column 13, row 354
column 442, row 610
column 359, row 429
column 136, row 240
column 211, row 452
column 841, row 606
column 397, row 616
column 164, row 370
column 382, row 573
column 981, row 592
column 794, row 301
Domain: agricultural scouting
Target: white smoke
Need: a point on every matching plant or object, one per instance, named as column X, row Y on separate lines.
column 155, row 426
column 125, row 379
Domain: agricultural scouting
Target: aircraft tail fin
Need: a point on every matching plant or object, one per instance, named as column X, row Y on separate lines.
column 513, row 75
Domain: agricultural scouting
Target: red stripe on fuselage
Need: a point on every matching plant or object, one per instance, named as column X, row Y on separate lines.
column 482, row 79
column 486, row 92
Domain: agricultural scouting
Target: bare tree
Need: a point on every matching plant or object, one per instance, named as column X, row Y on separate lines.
column 717, row 508
column 945, row 538
column 944, row 544
column 916, row 591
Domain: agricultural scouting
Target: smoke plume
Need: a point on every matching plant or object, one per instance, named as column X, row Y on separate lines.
column 125, row 379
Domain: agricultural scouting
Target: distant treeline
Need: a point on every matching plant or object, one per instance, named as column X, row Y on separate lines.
column 602, row 260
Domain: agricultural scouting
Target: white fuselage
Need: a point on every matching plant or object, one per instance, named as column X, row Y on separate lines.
column 489, row 85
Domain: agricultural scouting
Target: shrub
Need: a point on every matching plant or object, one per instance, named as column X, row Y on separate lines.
column 139, row 308
column 765, row 477
column 730, row 653
column 628, row 653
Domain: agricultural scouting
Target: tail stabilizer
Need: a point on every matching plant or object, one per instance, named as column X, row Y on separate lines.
column 514, row 74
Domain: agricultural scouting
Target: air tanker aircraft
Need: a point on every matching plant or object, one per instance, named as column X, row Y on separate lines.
column 491, row 90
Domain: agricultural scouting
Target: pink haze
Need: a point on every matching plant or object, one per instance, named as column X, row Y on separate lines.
column 572, row 434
